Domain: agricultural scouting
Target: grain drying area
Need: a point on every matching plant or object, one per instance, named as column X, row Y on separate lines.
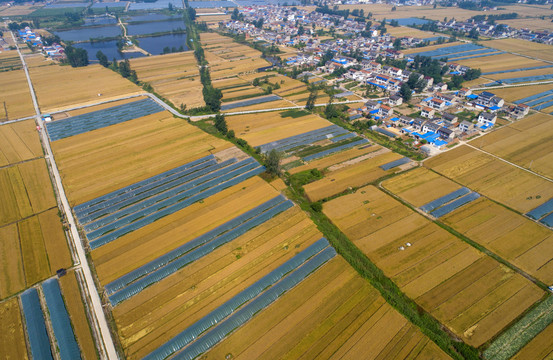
column 469, row 292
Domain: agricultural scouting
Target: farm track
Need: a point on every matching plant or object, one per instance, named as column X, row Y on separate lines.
column 108, row 350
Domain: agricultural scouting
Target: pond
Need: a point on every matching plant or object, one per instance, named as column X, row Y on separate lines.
column 109, row 48
column 155, row 44
column 149, row 17
column 84, row 34
column 411, row 21
column 155, row 27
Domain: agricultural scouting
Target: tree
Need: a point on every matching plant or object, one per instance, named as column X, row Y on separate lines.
column 212, row 97
column 397, row 44
column 272, row 164
column 170, row 6
column 221, row 124
column 405, row 92
column 259, row 23
column 76, row 57
column 301, row 30
column 473, row 34
column 125, row 68
column 102, row 58
column 235, row 14
column 310, row 104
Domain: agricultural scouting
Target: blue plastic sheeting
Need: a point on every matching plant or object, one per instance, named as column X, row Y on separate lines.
column 254, row 101
column 444, row 52
column 543, row 105
column 103, row 5
column 80, row 209
column 68, row 348
column 159, row 4
column 385, row 132
column 305, row 139
column 343, row 137
column 117, row 209
column 475, row 56
column 471, row 52
column 146, row 220
column 411, row 21
column 196, row 254
column 434, row 204
column 225, row 311
column 36, row 327
column 518, row 69
column 395, row 163
column 539, row 101
column 162, row 200
column 535, row 96
column 334, row 150
column 98, row 119
column 191, row 245
column 527, row 79
column 446, row 209
column 548, row 220
column 243, row 315
column 541, row 210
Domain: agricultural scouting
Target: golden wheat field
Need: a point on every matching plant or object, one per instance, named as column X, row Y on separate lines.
column 333, row 313
column 337, row 160
column 174, row 76
column 259, row 129
column 523, row 47
column 61, row 87
column 526, row 143
column 128, row 152
column 492, row 177
column 12, row 341
column 521, row 92
column 19, row 141
column 501, row 62
column 15, row 96
column 469, row 292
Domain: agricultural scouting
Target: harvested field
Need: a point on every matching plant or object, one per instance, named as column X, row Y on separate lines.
column 19, row 141
column 521, row 92
column 30, row 191
column 333, row 313
column 142, row 146
column 472, row 294
column 12, row 341
column 356, row 175
column 526, row 73
column 60, row 87
column 493, row 178
column 77, row 312
column 92, row 108
column 523, row 242
column 335, row 160
column 534, row 24
column 174, row 76
column 501, row 62
column 430, row 48
column 199, row 288
column 404, row 31
column 259, row 129
column 277, row 104
column 523, row 47
column 526, row 143
column 15, row 93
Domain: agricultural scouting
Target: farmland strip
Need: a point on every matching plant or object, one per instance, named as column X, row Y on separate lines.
column 444, row 199
column 35, row 325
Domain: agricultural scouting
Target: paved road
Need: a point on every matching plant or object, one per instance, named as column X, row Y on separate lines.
column 109, row 351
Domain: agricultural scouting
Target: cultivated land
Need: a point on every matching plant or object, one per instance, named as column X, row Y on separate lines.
column 20, row 142
column 502, row 62
column 533, row 24
column 60, row 87
column 515, row 93
column 77, row 313
column 334, row 313
column 12, row 341
column 128, row 152
column 523, row 47
column 431, row 47
column 523, row 242
column 502, row 182
column 197, row 289
column 526, row 143
column 88, row 109
column 227, row 58
column 173, row 76
column 259, row 129
column 337, row 160
column 400, row 31
column 472, row 294
column 14, row 92
column 354, row 175
column 539, row 348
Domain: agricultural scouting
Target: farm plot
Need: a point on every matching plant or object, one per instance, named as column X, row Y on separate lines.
column 174, row 76
column 539, row 348
column 112, row 215
column 19, row 141
column 493, row 178
column 35, row 325
column 521, row 92
column 527, row 48
column 16, row 96
column 9, row 60
column 523, row 73
column 94, row 120
column 526, row 143
column 205, row 284
column 128, row 152
column 332, row 313
column 12, row 341
column 513, row 237
column 352, row 176
column 469, row 292
column 60, row 87
column 404, row 31
column 414, row 51
column 273, row 126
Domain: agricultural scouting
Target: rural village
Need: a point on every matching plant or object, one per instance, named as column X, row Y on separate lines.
column 276, row 179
